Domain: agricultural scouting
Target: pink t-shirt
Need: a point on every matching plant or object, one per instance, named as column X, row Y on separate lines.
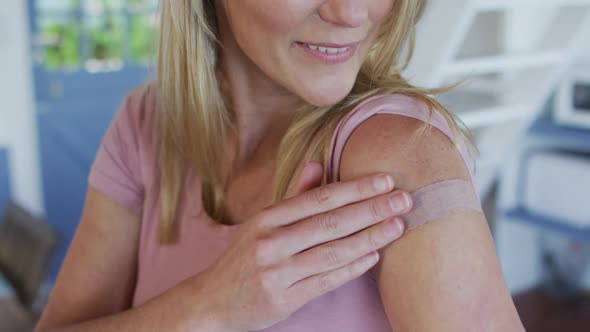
column 125, row 168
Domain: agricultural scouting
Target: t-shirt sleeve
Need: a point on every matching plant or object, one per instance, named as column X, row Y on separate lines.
column 116, row 168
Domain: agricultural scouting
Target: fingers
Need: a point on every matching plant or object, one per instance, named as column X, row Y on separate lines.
column 311, row 177
column 328, row 197
column 336, row 254
column 342, row 222
column 320, row 284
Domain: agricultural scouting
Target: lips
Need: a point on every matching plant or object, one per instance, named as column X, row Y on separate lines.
column 329, row 48
column 329, row 53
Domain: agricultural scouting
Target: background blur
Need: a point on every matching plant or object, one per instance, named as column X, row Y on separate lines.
column 66, row 65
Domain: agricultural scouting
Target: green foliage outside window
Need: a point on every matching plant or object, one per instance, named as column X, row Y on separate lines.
column 104, row 35
column 62, row 48
column 143, row 36
column 106, row 38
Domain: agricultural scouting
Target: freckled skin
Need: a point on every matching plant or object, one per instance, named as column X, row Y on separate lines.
column 267, row 31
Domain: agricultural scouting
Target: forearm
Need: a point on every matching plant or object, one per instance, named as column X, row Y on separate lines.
column 173, row 311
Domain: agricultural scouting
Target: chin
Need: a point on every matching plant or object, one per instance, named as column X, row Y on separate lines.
column 326, row 95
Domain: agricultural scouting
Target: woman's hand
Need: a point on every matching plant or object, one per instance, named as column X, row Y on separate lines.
column 301, row 248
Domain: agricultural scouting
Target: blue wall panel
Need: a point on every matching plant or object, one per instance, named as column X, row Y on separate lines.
column 69, row 141
column 4, row 180
column 71, row 128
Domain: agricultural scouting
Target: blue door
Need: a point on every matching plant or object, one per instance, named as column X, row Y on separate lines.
column 88, row 54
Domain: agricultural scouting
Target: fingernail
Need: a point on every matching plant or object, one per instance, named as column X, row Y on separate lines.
column 399, row 202
column 372, row 258
column 383, row 183
column 393, row 228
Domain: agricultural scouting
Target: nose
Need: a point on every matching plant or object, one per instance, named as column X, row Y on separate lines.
column 347, row 13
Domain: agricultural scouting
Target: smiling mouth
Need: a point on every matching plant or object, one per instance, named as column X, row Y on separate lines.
column 328, row 48
column 329, row 54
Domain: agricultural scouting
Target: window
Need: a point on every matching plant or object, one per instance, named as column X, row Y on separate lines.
column 95, row 35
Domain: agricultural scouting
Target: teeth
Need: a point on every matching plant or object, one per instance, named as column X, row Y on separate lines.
column 328, row 50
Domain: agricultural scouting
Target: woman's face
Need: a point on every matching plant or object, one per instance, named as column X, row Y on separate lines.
column 313, row 48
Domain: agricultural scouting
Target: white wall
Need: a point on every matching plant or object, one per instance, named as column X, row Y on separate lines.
column 585, row 54
column 18, row 130
column 518, row 243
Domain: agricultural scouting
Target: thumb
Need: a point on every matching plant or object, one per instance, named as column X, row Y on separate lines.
column 310, row 177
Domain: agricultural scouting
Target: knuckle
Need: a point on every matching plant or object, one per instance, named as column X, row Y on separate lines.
column 274, row 301
column 263, row 251
column 324, row 283
column 374, row 240
column 364, row 188
column 328, row 223
column 330, row 254
column 321, row 195
column 268, row 280
column 378, row 211
column 263, row 218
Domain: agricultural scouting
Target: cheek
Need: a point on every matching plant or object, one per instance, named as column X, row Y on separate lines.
column 381, row 9
column 270, row 17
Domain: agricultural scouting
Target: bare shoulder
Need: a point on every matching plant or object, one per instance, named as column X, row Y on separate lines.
column 452, row 256
column 397, row 144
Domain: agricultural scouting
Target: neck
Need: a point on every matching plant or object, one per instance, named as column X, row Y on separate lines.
column 263, row 108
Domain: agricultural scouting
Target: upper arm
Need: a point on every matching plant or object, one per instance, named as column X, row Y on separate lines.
column 443, row 276
column 98, row 275
column 97, row 278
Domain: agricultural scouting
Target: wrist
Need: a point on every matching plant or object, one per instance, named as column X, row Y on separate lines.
column 205, row 316
column 208, row 321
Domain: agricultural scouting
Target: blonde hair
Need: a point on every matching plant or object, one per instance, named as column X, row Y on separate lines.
column 196, row 122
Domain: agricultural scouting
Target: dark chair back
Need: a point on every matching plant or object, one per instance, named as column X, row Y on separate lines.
column 27, row 244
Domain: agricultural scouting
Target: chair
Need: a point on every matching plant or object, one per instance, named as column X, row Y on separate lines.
column 27, row 244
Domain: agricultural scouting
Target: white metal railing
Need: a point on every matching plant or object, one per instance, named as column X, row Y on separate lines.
column 512, row 54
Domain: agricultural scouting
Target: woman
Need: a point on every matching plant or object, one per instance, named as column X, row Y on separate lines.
column 185, row 229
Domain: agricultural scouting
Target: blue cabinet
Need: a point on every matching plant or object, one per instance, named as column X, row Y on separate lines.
column 535, row 201
column 545, row 135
